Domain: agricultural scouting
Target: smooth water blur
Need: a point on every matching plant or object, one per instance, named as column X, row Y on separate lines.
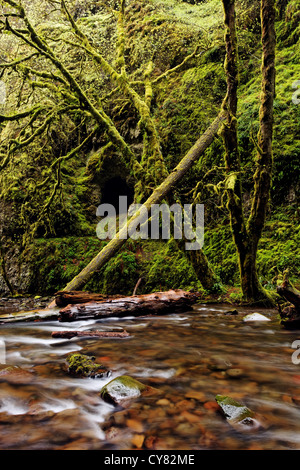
column 190, row 358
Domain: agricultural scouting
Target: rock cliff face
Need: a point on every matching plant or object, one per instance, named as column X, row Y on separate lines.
column 164, row 32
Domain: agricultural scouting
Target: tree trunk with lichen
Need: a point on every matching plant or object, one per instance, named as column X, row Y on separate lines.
column 290, row 313
column 3, row 271
column 246, row 234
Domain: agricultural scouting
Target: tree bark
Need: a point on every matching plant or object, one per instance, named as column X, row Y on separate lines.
column 156, row 197
column 290, row 293
column 290, row 314
column 246, row 234
column 172, row 301
column 63, row 298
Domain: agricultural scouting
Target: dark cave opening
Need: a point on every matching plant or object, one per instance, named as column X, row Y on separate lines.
column 113, row 189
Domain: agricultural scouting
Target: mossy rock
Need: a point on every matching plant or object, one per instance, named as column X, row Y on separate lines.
column 81, row 365
column 232, row 409
column 124, row 389
column 239, row 416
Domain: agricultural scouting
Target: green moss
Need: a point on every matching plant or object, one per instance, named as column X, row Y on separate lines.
column 85, row 366
column 170, row 269
column 277, row 251
column 233, row 410
column 183, row 105
column 54, row 262
column 120, row 274
column 122, row 388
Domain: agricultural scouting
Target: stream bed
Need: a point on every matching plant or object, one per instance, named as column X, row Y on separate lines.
column 190, row 358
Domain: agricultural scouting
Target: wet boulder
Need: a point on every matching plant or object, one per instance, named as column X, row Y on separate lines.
column 15, row 374
column 237, row 415
column 123, row 389
column 256, row 317
column 81, row 365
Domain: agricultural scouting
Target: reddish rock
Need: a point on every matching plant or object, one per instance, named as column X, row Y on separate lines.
column 15, row 374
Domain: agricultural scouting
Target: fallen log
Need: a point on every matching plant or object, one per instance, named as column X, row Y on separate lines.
column 172, row 301
column 290, row 314
column 30, row 316
column 92, row 333
column 64, row 298
column 290, row 293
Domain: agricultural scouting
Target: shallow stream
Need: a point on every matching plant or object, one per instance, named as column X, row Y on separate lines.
column 190, row 358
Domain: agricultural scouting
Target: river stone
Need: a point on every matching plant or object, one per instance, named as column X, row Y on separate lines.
column 231, row 312
column 81, row 365
column 238, row 415
column 233, row 410
column 255, row 317
column 15, row 374
column 235, row 373
column 123, row 389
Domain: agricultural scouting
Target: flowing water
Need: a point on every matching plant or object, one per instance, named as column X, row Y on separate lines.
column 190, row 358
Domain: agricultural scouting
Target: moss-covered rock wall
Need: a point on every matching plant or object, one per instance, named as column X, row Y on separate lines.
column 183, row 105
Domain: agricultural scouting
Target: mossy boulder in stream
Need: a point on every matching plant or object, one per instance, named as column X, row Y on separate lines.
column 122, row 389
column 238, row 415
column 85, row 366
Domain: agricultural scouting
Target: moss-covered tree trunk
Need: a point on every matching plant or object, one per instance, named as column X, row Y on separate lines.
column 150, row 171
column 246, row 234
column 156, row 197
column 3, row 271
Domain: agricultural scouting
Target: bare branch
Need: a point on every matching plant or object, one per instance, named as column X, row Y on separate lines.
column 178, row 67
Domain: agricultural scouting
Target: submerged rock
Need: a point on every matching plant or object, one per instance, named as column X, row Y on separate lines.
column 235, row 373
column 239, row 416
column 123, row 389
column 231, row 312
column 15, row 374
column 85, row 366
column 256, row 317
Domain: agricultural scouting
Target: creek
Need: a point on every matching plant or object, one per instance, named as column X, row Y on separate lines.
column 190, row 358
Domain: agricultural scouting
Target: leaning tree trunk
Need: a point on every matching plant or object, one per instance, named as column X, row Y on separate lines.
column 156, row 197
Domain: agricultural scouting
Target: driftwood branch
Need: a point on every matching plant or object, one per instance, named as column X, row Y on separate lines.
column 92, row 333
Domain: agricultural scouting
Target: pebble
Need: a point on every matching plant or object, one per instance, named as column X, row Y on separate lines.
column 163, row 402
column 211, row 405
column 235, row 373
column 135, row 425
column 138, row 440
column 200, row 396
